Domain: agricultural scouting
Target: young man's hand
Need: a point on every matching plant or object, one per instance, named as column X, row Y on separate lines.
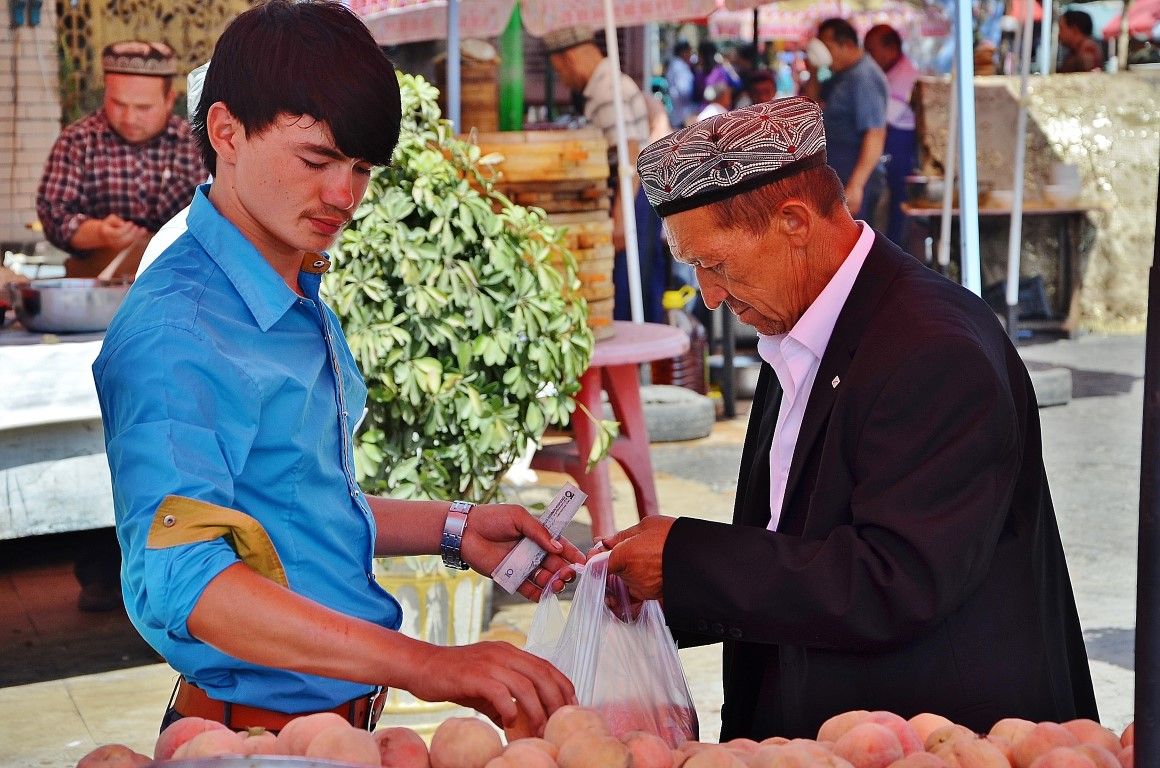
column 493, row 530
column 496, row 679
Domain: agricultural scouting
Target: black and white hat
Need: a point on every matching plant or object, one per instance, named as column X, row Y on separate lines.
column 138, row 57
column 732, row 153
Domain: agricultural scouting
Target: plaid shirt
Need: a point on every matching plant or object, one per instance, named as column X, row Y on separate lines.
column 92, row 172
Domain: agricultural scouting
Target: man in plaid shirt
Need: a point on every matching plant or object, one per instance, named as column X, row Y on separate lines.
column 114, row 177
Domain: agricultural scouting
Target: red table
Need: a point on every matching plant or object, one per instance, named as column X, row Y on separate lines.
column 614, row 369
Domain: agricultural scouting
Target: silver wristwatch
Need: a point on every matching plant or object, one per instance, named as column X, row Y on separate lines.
column 453, row 529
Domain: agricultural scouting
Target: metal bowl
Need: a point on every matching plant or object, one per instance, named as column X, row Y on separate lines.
column 67, row 304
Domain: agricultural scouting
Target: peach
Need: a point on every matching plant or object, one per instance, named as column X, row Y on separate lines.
column 587, row 749
column 947, row 733
column 113, row 756
column 528, row 756
column 816, row 748
column 837, row 725
column 920, row 760
column 541, row 744
column 1062, row 757
column 345, row 744
column 648, row 750
column 1100, row 757
column 714, row 757
column 1091, row 732
column 783, row 756
column 1043, row 738
column 180, row 732
column 972, row 753
column 258, row 741
column 464, row 742
column 869, row 745
column 1012, row 728
column 774, row 741
column 571, row 719
column 520, row 728
column 908, row 738
column 1003, row 744
column 742, row 746
column 401, row 748
column 1127, row 756
column 926, row 723
column 210, row 744
column 1128, row 737
column 503, row 761
column 299, row 732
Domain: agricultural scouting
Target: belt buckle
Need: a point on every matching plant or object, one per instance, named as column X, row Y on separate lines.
column 372, row 703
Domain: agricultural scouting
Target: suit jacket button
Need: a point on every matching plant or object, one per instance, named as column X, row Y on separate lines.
column 735, row 633
column 717, row 629
column 702, row 625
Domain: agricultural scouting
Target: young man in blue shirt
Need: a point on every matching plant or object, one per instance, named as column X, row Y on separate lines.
column 230, row 398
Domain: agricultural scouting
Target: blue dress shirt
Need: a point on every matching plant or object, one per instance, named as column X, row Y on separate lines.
column 218, row 383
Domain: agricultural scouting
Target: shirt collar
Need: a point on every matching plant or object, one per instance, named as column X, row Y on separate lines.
column 598, row 74
column 814, row 328
column 265, row 293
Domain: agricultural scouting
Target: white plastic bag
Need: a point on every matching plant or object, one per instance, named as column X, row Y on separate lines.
column 623, row 666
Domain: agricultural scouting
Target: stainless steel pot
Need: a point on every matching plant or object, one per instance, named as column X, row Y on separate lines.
column 67, row 304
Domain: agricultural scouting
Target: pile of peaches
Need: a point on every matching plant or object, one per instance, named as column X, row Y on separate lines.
column 578, row 737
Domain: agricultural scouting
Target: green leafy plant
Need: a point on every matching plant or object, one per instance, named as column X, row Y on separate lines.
column 457, row 316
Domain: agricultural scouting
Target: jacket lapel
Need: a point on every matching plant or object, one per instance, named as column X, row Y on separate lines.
column 877, row 271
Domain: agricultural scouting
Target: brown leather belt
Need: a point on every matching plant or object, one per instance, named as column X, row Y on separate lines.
column 191, row 701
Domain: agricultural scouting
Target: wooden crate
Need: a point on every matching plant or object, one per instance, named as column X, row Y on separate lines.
column 539, row 156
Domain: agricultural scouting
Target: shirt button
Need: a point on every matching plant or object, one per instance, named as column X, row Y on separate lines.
column 702, row 625
column 370, row 576
column 355, row 493
column 717, row 629
column 735, row 633
column 168, row 521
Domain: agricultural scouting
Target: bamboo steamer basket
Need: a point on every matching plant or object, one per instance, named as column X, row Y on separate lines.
column 478, row 85
column 588, row 236
column 538, row 156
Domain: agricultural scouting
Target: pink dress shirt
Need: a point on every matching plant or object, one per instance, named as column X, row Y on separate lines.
column 795, row 358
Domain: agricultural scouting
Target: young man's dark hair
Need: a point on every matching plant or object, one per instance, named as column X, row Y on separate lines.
column 682, row 47
column 1080, row 20
column 841, row 30
column 312, row 58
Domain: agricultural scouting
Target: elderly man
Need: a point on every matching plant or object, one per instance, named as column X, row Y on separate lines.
column 884, row 45
column 584, row 69
column 853, row 101
column 893, row 544
column 113, row 178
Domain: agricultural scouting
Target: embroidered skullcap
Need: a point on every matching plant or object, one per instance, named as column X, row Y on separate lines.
column 561, row 40
column 732, row 153
column 139, row 57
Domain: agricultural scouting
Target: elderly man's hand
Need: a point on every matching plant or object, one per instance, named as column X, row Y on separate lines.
column 636, row 556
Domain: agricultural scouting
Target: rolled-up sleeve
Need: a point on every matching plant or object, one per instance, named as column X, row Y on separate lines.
column 175, row 424
column 58, row 199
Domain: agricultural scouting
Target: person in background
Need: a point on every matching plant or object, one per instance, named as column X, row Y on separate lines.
column 762, row 86
column 583, row 68
column 679, row 74
column 746, row 63
column 111, row 180
column 893, row 545
column 707, row 58
column 718, row 94
column 1084, row 54
column 884, row 45
column 229, row 398
column 854, row 101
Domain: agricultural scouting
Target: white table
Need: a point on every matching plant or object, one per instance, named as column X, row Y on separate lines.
column 53, row 472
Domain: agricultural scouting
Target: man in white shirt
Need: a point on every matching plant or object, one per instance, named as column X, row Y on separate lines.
column 884, row 45
column 893, row 544
column 583, row 68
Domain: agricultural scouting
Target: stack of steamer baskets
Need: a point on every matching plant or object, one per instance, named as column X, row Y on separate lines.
column 566, row 174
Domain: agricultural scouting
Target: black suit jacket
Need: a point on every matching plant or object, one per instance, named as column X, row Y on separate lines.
column 917, row 566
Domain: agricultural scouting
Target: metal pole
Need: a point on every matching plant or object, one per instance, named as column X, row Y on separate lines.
column 1147, row 750
column 1015, row 237
column 453, row 76
column 624, row 170
column 950, row 166
column 1046, row 56
column 968, row 176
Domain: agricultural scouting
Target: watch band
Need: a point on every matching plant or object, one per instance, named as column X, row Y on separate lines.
column 453, row 529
